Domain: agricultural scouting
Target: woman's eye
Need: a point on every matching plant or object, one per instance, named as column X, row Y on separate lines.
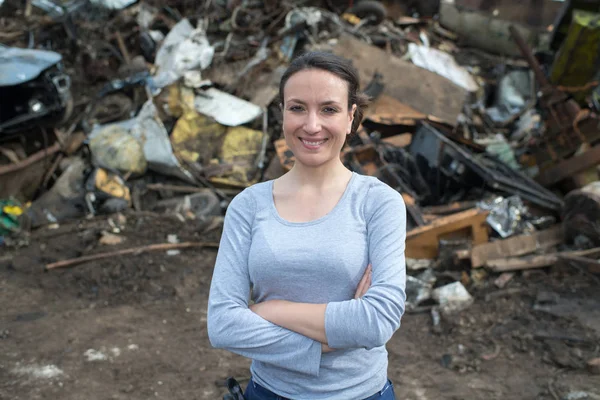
column 329, row 110
column 295, row 108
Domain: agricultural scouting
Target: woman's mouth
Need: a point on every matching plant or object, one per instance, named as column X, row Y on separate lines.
column 312, row 144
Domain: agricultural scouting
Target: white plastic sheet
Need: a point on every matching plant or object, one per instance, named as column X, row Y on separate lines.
column 226, row 109
column 184, row 49
column 442, row 64
column 452, row 298
column 113, row 4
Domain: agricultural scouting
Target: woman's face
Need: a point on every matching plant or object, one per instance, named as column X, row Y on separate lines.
column 316, row 118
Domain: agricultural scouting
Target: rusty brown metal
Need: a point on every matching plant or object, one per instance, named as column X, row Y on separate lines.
column 568, row 126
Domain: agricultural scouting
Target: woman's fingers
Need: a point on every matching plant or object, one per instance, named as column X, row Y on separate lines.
column 364, row 283
column 361, row 285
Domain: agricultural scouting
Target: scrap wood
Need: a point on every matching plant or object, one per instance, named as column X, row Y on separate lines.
column 32, row 159
column 423, row 242
column 592, row 265
column 401, row 140
column 539, row 261
column 516, row 245
column 503, row 279
column 450, row 208
column 569, row 167
column 135, row 250
column 389, row 111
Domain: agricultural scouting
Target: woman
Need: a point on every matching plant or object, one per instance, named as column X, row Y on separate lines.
column 323, row 249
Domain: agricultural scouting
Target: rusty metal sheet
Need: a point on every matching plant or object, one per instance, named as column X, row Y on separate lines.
column 423, row 90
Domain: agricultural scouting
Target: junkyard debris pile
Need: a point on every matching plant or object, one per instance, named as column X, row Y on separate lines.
column 110, row 106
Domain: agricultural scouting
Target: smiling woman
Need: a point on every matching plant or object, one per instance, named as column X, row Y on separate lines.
column 323, row 250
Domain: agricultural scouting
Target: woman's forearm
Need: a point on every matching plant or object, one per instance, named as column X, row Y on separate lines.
column 303, row 318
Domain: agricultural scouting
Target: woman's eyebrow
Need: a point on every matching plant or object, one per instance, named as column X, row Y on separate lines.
column 323, row 103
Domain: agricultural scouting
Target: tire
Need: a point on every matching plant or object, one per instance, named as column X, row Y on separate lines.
column 373, row 9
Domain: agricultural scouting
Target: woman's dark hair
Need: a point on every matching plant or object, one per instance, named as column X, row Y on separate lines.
column 338, row 66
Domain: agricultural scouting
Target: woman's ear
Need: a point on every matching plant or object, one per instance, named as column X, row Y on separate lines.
column 351, row 114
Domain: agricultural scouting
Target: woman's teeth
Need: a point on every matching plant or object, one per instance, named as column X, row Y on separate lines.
column 313, row 143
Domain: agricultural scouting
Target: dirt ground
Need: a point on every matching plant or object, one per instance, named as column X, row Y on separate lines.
column 134, row 326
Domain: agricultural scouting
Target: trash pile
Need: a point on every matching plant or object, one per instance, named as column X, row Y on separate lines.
column 484, row 117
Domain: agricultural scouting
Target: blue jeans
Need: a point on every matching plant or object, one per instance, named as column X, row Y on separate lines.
column 256, row 392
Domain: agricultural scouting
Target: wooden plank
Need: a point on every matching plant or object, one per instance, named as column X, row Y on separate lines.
column 389, row 111
column 570, row 167
column 423, row 90
column 423, row 242
column 539, row 261
column 516, row 246
column 402, row 140
column 592, row 265
column 521, row 263
column 450, row 208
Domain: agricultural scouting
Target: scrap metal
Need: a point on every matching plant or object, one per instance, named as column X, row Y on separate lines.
column 568, row 126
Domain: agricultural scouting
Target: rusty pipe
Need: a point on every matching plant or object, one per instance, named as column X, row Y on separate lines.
column 528, row 55
column 40, row 155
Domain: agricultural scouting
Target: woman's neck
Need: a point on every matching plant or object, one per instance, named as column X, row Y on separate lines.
column 322, row 176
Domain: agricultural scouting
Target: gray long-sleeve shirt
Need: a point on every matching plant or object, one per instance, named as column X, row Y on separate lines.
column 320, row 261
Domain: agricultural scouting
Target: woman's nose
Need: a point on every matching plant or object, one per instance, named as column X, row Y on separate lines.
column 312, row 124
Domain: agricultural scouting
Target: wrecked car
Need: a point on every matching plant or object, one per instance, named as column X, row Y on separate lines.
column 34, row 89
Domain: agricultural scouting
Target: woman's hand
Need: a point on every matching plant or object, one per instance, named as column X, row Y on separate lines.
column 326, row 349
column 364, row 284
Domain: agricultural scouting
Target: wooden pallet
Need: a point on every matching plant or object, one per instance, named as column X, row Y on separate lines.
column 423, row 242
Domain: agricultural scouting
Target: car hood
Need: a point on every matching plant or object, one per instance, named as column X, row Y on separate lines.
column 21, row 65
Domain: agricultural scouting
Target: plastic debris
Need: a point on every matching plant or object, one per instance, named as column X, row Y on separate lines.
column 442, row 64
column 10, row 211
column 113, row 147
column 418, row 289
column 183, row 49
column 226, row 109
column 452, row 298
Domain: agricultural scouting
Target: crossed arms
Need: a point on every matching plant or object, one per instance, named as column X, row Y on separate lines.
column 294, row 335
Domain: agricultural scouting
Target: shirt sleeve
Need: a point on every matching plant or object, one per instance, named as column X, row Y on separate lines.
column 231, row 324
column 371, row 321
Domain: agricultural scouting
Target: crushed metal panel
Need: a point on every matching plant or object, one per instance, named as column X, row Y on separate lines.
column 439, row 154
column 241, row 149
column 196, row 138
column 21, row 65
column 423, row 90
column 484, row 24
